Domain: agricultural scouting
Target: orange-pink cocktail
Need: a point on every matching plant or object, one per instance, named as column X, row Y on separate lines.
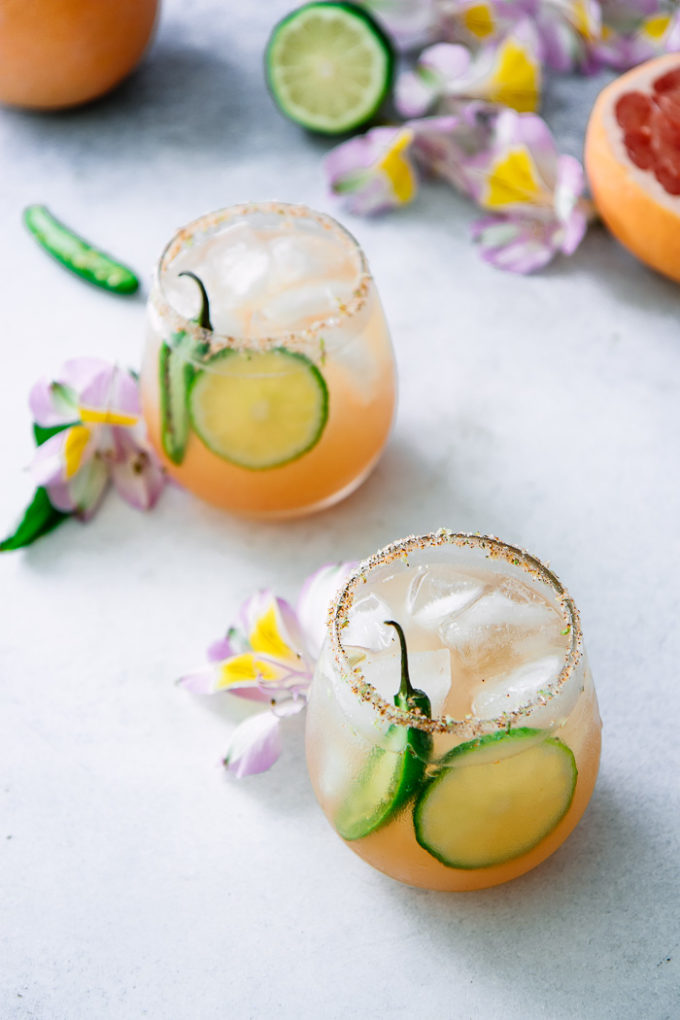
column 268, row 380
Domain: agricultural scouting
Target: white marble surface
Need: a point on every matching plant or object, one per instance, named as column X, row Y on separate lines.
column 137, row 879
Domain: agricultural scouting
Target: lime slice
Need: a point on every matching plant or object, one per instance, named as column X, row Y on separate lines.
column 495, row 798
column 259, row 410
column 394, row 771
column 175, row 375
column 389, row 778
column 329, row 66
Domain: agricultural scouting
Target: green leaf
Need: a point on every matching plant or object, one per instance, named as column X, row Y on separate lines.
column 42, row 433
column 40, row 518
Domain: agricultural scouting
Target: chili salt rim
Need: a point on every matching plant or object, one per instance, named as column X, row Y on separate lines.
column 296, row 340
column 494, row 548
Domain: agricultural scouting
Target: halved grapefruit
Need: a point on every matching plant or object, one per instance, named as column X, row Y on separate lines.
column 632, row 158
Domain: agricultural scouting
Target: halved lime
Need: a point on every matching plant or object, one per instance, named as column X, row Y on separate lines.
column 329, row 66
column 495, row 798
column 259, row 409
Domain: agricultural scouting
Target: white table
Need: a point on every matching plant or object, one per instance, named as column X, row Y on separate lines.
column 140, row 880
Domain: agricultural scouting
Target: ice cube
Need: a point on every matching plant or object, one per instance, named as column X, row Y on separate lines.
column 243, row 269
column 429, row 672
column 366, row 628
column 497, row 633
column 437, row 594
column 298, row 257
column 300, row 306
column 495, row 616
column 507, row 692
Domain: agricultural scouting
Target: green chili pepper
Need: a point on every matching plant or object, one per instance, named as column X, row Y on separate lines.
column 76, row 254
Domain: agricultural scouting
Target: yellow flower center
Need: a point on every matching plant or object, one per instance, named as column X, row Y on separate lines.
column 397, row 169
column 77, row 438
column 513, row 180
column 105, row 416
column 478, row 20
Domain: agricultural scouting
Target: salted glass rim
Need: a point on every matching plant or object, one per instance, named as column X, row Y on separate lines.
column 293, row 340
column 494, row 548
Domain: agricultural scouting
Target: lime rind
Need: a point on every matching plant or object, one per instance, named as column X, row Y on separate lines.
column 232, row 444
column 176, row 374
column 329, row 66
column 439, row 820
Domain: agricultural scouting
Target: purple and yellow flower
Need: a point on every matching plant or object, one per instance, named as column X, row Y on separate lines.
column 99, row 436
column 410, row 23
column 507, row 72
column 269, row 656
column 636, row 30
column 372, row 172
column 564, row 28
column 449, row 146
column 533, row 195
column 567, row 30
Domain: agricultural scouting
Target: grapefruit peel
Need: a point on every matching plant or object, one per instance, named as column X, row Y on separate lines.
column 632, row 158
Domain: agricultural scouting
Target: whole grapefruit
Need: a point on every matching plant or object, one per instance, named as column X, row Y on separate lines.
column 60, row 53
column 632, row 158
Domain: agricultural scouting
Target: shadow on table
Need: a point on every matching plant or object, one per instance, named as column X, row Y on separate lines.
column 571, row 932
column 406, row 493
column 600, row 257
column 185, row 98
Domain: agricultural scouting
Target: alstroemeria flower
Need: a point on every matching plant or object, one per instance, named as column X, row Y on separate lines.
column 470, row 21
column 564, row 28
column 409, row 23
column 636, row 30
column 269, row 656
column 507, row 73
column 101, row 438
column 372, row 173
column 567, row 30
column 533, row 195
column 449, row 147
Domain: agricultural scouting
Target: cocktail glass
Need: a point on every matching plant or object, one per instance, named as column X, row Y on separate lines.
column 465, row 756
column 268, row 379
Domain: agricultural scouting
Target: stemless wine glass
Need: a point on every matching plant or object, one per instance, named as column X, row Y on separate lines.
column 453, row 734
column 268, row 379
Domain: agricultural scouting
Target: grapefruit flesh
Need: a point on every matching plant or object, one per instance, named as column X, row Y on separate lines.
column 632, row 156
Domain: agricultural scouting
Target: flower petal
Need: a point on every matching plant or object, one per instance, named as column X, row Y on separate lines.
column 136, row 473
column 314, row 602
column 53, row 403
column 111, row 398
column 372, row 173
column 248, row 670
column 514, row 243
column 61, row 456
column 78, row 373
column 514, row 78
column 438, row 66
column 83, row 493
column 255, row 745
column 415, row 93
column 209, row 681
column 231, row 644
column 453, row 147
column 272, row 626
column 409, row 23
column 479, row 19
